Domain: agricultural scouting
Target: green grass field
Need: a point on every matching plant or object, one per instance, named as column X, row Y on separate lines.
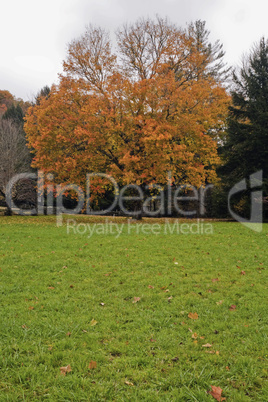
column 125, row 303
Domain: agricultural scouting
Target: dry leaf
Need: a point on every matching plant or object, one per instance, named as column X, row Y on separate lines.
column 151, row 287
column 68, row 334
column 227, row 368
column 102, row 304
column 92, row 365
column 207, row 345
column 129, row 383
column 24, row 326
column 215, row 280
column 167, row 290
column 152, row 340
column 169, row 298
column 93, row 322
column 219, row 302
column 136, row 299
column 216, row 393
column 31, row 307
column 64, row 370
column 195, row 341
column 51, row 287
column 232, row 307
column 202, row 337
column 71, row 286
column 193, row 316
column 243, row 273
column 217, row 352
column 194, row 335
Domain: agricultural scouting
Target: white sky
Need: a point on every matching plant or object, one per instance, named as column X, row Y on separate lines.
column 34, row 34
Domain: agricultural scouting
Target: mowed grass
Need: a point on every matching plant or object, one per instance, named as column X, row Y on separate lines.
column 52, row 287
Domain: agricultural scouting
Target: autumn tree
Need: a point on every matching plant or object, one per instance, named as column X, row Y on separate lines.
column 6, row 100
column 136, row 114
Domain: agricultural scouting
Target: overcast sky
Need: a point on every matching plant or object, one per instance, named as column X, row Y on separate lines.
column 34, row 34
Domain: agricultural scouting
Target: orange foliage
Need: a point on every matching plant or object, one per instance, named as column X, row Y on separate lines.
column 135, row 120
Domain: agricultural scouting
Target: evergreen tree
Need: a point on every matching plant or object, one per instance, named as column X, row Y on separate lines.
column 213, row 62
column 15, row 114
column 246, row 147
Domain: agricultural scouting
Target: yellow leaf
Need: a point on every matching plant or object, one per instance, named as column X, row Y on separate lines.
column 129, row 383
column 93, row 322
column 193, row 316
column 92, row 365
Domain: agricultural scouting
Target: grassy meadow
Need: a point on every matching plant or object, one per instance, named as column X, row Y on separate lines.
column 135, row 317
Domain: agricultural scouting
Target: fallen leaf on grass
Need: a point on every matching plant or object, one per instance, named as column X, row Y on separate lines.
column 232, row 307
column 51, row 287
column 24, row 326
column 243, row 273
column 68, row 334
column 207, row 345
column 219, row 302
column 93, row 322
column 129, row 383
column 169, row 298
column 136, row 299
column 152, row 340
column 216, row 393
column 193, row 316
column 64, row 370
column 92, row 365
column 227, row 368
column 175, row 359
column 102, row 304
column 150, row 287
column 31, row 307
column 215, row 280
column 194, row 335
column 213, row 352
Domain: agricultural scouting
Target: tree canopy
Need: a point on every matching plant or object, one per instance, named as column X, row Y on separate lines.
column 135, row 114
